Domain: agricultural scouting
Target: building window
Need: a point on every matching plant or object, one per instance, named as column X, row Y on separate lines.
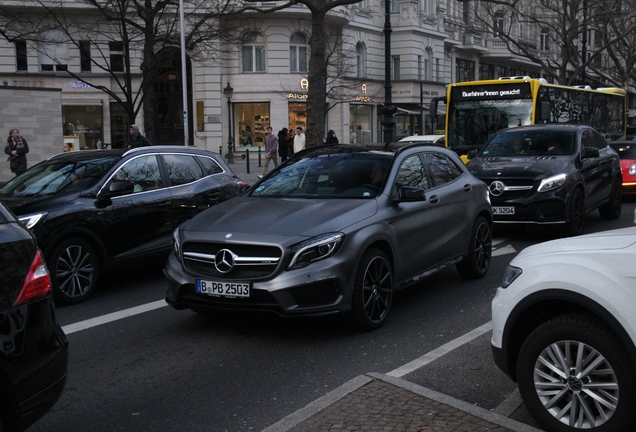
column 544, row 44
column 298, row 53
column 85, row 56
column 395, row 6
column 53, row 54
column 486, row 71
column 21, row 60
column 426, row 72
column 395, row 69
column 502, row 71
column 498, row 23
column 116, row 50
column 361, row 52
column 464, row 70
column 252, row 119
column 253, row 52
column 420, row 65
column 426, row 7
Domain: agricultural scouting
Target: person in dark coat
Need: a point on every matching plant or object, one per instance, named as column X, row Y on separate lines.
column 331, row 138
column 282, row 144
column 136, row 139
column 17, row 147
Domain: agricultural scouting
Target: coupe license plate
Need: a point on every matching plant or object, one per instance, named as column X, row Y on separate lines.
column 503, row 210
column 223, row 289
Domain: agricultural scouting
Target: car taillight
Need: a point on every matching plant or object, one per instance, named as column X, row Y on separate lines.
column 37, row 284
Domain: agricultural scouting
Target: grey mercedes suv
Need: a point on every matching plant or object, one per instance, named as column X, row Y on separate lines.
column 336, row 229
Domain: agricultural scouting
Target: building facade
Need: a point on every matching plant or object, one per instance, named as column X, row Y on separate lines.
column 433, row 43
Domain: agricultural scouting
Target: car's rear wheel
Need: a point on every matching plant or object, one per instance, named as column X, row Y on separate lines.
column 373, row 291
column 74, row 269
column 477, row 263
column 573, row 373
column 576, row 212
column 612, row 210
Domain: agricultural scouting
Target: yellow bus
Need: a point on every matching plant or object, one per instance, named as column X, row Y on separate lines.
column 476, row 110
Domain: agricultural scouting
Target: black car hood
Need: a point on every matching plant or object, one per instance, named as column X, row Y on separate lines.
column 21, row 205
column 516, row 167
column 282, row 216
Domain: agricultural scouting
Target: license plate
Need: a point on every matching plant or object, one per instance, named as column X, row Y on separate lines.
column 223, row 289
column 503, row 210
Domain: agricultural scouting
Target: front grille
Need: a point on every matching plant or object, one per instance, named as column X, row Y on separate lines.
column 515, row 188
column 239, row 261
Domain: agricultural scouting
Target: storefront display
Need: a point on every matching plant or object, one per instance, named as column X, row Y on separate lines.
column 83, row 125
column 361, row 124
column 252, row 120
column 298, row 115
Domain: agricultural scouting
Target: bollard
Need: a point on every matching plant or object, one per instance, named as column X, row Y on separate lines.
column 260, row 163
column 220, row 150
column 247, row 160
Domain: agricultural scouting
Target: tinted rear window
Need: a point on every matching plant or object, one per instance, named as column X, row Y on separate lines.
column 531, row 143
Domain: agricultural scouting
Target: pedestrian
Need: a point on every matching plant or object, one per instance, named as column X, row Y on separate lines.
column 290, row 141
column 331, row 138
column 271, row 150
column 282, row 144
column 299, row 140
column 136, row 139
column 16, row 148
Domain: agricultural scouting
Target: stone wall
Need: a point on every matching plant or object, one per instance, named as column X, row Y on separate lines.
column 37, row 113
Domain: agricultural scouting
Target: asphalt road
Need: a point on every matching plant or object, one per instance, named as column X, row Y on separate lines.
column 166, row 370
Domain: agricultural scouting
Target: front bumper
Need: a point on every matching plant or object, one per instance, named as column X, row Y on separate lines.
column 545, row 208
column 322, row 288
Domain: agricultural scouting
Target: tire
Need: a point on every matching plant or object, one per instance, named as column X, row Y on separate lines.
column 612, row 210
column 372, row 292
column 566, row 366
column 576, row 213
column 477, row 263
column 74, row 268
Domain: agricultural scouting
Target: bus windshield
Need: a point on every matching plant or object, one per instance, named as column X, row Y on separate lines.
column 472, row 123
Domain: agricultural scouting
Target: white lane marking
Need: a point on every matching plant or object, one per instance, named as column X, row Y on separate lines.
column 504, row 251
column 440, row 351
column 94, row 322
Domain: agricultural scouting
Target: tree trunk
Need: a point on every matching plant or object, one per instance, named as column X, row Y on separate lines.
column 317, row 77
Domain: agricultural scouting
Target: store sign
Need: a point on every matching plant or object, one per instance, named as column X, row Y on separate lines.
column 297, row 96
column 363, row 98
column 79, row 84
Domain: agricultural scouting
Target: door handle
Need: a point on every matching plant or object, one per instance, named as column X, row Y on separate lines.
column 434, row 199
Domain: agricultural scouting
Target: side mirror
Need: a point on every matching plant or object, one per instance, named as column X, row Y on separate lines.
column 590, row 152
column 472, row 154
column 410, row 194
column 119, row 187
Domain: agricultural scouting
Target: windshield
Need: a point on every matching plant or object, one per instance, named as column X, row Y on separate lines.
column 52, row 177
column 341, row 175
column 471, row 124
column 531, row 143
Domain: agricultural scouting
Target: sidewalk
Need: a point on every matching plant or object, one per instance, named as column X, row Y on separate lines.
column 240, row 166
column 376, row 402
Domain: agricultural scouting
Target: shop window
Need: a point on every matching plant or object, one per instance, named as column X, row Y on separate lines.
column 298, row 53
column 253, row 53
column 361, row 123
column 83, row 123
column 252, row 121
column 297, row 115
column 21, row 59
column 85, row 56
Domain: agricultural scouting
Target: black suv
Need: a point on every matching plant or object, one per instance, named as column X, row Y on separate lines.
column 92, row 210
column 549, row 175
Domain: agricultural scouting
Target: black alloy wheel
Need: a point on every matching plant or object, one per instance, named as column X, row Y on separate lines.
column 576, row 213
column 477, row 263
column 373, row 291
column 573, row 374
column 74, row 269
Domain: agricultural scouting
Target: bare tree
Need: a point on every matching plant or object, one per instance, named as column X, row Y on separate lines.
column 145, row 32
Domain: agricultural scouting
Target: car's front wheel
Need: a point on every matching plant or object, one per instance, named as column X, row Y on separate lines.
column 74, row 269
column 573, row 373
column 373, row 291
column 477, row 263
column 576, row 213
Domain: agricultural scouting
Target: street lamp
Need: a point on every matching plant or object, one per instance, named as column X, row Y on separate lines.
column 228, row 91
column 388, row 110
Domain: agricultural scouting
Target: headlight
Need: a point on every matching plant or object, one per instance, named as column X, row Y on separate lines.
column 176, row 246
column 552, row 183
column 632, row 170
column 31, row 220
column 315, row 249
column 510, row 275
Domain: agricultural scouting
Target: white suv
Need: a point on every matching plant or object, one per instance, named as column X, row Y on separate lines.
column 564, row 328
